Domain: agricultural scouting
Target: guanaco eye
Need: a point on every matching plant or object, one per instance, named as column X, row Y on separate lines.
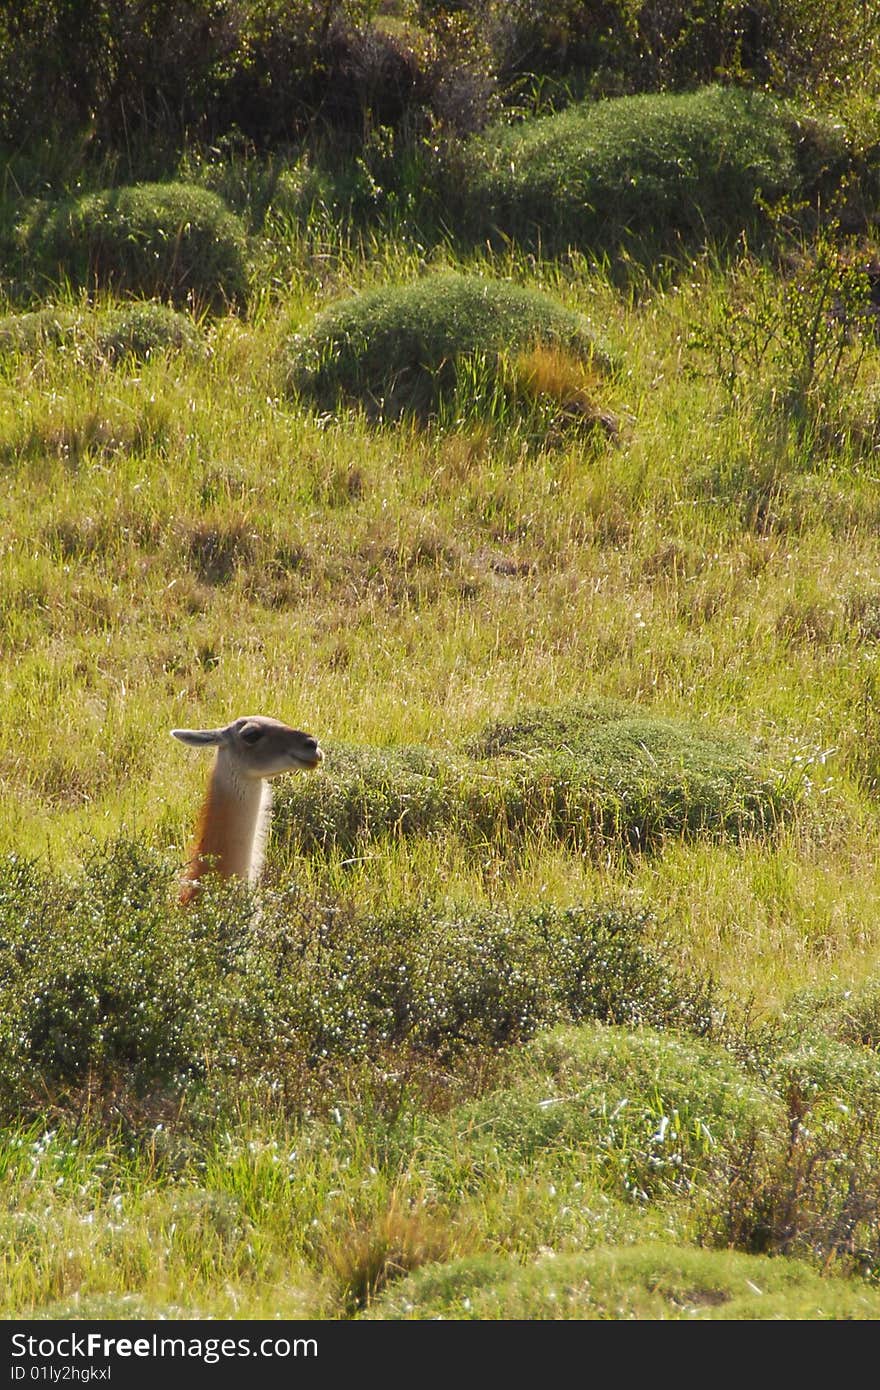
column 252, row 734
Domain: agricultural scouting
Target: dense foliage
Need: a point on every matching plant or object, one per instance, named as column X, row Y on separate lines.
column 401, row 347
column 124, row 71
column 105, row 983
column 136, row 330
column 167, row 240
column 696, row 166
column 597, row 778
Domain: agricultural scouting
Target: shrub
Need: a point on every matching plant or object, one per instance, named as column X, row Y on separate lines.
column 820, row 1196
column 100, row 983
column 544, row 49
column 116, row 69
column 591, row 776
column 642, row 1113
column 106, row 984
column 173, row 241
column 142, row 330
column 129, row 330
column 646, row 170
column 325, row 65
column 796, row 343
column 662, row 44
column 342, row 984
column 649, row 1280
column 135, row 71
column 400, row 347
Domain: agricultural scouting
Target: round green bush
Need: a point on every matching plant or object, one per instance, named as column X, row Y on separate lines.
column 651, row 168
column 399, row 348
column 140, row 330
column 643, row 1113
column 169, row 240
column 589, row 776
column 647, row 1280
column 136, row 330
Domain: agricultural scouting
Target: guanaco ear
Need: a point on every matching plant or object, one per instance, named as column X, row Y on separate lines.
column 200, row 738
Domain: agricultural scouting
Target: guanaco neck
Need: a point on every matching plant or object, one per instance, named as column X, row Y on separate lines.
column 232, row 827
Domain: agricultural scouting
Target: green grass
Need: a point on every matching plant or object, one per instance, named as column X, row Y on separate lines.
column 590, row 1182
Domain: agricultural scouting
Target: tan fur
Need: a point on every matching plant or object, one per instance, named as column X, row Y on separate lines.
column 217, row 844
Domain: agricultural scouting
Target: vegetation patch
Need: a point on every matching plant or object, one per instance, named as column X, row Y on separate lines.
column 405, row 348
column 105, row 982
column 465, row 1035
column 100, row 982
column 642, row 1114
column 847, row 1015
column 653, row 1281
column 593, row 776
column 169, row 240
column 135, row 330
column 819, row 1195
column 644, row 170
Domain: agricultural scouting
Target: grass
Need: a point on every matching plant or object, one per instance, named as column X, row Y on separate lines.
column 518, row 645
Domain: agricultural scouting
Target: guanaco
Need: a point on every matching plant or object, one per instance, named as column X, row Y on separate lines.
column 234, row 820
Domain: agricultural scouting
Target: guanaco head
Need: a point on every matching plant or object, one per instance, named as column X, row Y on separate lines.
column 257, row 746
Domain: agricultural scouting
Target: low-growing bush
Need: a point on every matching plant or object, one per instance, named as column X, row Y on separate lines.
column 647, row 1281
column 100, row 983
column 640, row 1112
column 595, row 776
column 401, row 347
column 820, row 1196
column 169, row 240
column 136, row 330
column 797, row 344
column 644, row 170
column 441, row 979
column 106, row 984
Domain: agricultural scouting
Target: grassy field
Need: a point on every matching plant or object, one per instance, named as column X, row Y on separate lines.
column 544, row 1122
